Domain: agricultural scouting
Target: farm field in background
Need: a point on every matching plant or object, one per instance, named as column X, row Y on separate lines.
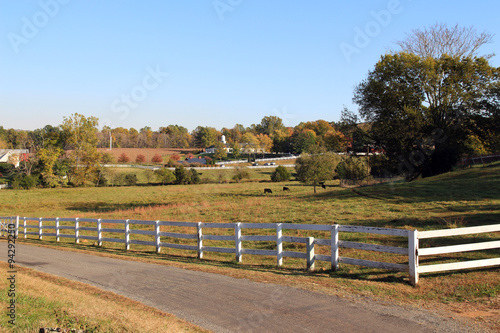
column 459, row 199
column 463, row 198
column 221, row 175
column 147, row 152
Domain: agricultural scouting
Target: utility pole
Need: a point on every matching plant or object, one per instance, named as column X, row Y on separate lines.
column 110, row 141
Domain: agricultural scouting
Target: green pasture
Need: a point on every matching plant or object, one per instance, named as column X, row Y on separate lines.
column 462, row 198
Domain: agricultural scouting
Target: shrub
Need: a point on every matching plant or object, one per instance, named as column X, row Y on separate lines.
column 172, row 164
column 165, row 176
column 280, row 174
column 353, row 168
column 194, row 176
column 240, row 173
column 181, row 175
column 107, row 158
column 157, row 159
column 123, row 158
column 130, row 179
column 140, row 158
column 6, row 168
column 25, row 182
column 175, row 157
column 149, row 174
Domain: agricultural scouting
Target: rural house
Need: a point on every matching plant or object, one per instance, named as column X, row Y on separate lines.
column 14, row 156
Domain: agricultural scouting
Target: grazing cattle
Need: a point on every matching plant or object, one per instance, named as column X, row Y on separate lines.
column 323, row 186
column 267, row 190
column 285, row 188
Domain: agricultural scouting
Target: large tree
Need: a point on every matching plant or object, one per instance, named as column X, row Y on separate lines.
column 317, row 167
column 205, row 136
column 438, row 40
column 80, row 135
column 423, row 109
column 269, row 125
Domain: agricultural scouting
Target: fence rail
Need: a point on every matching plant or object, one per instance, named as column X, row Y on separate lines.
column 421, row 252
column 33, row 226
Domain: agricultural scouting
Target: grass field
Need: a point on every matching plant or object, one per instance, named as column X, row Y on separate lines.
column 463, row 198
column 147, row 152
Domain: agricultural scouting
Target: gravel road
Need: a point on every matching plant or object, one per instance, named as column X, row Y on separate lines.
column 224, row 304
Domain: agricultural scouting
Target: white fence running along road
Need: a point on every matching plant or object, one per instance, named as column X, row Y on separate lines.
column 70, row 228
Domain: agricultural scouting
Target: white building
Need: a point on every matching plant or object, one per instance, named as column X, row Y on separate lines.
column 13, row 156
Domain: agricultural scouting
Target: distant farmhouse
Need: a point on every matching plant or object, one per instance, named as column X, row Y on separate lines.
column 14, row 156
column 244, row 147
column 211, row 149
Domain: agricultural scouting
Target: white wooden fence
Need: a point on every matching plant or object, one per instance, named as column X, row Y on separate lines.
column 413, row 252
column 420, row 252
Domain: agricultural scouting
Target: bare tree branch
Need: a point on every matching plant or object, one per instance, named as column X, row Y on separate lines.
column 439, row 40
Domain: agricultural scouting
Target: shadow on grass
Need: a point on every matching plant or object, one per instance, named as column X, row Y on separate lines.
column 105, row 207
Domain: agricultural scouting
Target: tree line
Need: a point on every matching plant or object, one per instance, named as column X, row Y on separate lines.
column 424, row 106
column 270, row 135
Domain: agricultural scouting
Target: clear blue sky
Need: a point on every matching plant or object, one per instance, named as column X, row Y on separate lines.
column 153, row 63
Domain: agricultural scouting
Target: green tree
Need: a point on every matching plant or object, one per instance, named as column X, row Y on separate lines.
column 235, row 146
column 205, row 136
column 194, row 177
column 353, row 168
column 282, row 140
column 80, row 136
column 250, row 142
column 304, row 141
column 280, row 174
column 220, row 151
column 26, row 182
column 315, row 168
column 130, row 179
column 164, row 175
column 47, row 158
column 422, row 110
column 149, row 174
column 269, row 125
column 181, row 175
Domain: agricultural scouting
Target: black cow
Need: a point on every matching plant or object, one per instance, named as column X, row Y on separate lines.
column 267, row 190
column 285, row 188
column 323, row 186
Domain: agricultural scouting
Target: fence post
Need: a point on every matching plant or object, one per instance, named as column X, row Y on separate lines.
column 335, row 247
column 157, row 236
column 57, row 229
column 237, row 239
column 40, row 228
column 127, row 235
column 77, row 231
column 279, row 245
column 200, row 242
column 24, row 225
column 310, row 253
column 99, row 232
column 413, row 256
column 17, row 227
